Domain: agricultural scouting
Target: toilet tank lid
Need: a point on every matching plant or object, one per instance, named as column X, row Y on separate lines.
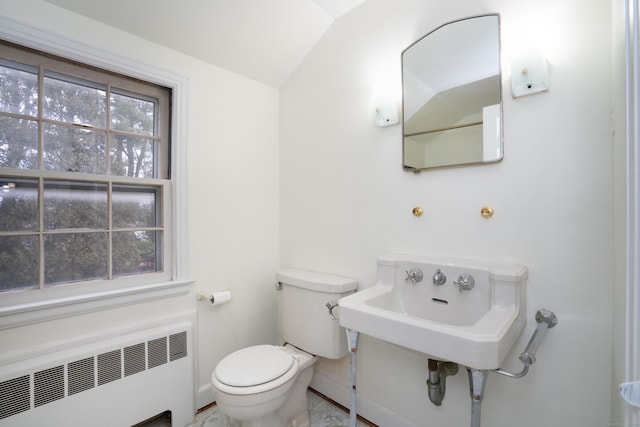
column 315, row 281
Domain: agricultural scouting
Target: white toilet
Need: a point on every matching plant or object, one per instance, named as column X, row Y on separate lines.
column 266, row 385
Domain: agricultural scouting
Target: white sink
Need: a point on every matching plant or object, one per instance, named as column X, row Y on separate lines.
column 475, row 327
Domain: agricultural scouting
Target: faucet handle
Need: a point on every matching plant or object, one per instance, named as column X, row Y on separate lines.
column 465, row 282
column 414, row 274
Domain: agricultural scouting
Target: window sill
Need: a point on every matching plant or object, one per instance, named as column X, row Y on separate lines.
column 39, row 311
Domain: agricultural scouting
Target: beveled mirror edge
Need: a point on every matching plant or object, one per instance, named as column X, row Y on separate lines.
column 455, row 165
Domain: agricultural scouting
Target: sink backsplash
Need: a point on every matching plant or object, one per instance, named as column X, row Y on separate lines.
column 430, row 301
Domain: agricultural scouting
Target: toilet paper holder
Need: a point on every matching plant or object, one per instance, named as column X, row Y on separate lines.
column 215, row 298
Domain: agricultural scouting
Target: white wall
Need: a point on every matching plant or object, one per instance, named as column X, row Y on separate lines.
column 232, row 198
column 345, row 200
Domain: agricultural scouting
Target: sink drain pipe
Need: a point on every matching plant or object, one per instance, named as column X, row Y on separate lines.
column 437, row 382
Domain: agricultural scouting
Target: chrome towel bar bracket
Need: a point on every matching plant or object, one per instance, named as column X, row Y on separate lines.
column 546, row 320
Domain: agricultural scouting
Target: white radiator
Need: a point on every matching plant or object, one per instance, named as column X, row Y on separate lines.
column 119, row 381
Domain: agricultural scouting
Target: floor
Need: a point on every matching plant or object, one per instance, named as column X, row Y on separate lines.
column 323, row 414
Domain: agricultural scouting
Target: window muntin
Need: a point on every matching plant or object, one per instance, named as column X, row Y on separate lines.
column 83, row 173
column 137, row 241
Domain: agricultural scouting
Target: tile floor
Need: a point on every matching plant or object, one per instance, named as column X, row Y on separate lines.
column 323, row 414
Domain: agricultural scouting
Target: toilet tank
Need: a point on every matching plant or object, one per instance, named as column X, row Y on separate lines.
column 303, row 317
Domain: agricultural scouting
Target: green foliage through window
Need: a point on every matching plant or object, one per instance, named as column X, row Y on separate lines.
column 82, row 171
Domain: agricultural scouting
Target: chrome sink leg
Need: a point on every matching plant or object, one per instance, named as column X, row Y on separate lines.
column 352, row 340
column 477, row 381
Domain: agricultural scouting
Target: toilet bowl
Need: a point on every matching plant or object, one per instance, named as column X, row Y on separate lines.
column 265, row 386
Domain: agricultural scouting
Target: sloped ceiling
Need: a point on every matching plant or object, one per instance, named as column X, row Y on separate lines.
column 264, row 40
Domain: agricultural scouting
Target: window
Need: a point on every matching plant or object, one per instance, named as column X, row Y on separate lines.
column 85, row 189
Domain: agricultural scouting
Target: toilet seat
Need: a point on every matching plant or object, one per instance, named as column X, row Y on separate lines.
column 254, row 365
column 255, row 369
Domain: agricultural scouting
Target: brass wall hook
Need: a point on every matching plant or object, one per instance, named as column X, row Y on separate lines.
column 417, row 211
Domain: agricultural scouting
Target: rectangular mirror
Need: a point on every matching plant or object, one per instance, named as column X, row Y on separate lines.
column 452, row 95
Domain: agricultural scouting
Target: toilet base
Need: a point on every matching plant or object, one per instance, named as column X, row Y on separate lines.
column 292, row 406
column 295, row 411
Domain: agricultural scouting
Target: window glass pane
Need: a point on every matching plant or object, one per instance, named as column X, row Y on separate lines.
column 135, row 252
column 18, row 88
column 85, row 154
column 75, row 257
column 70, row 149
column 132, row 114
column 71, row 100
column 18, row 143
column 134, row 206
column 132, row 157
column 18, row 205
column 18, row 262
column 75, row 205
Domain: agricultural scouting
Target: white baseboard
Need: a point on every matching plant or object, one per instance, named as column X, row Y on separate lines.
column 204, row 396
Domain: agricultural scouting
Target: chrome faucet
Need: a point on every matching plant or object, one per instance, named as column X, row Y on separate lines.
column 439, row 278
column 465, row 282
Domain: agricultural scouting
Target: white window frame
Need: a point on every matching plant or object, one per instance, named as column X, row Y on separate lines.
column 29, row 307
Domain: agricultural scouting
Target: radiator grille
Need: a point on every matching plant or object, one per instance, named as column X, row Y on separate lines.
column 50, row 384
column 109, row 367
column 157, row 352
column 15, row 396
column 82, row 375
column 178, row 346
column 134, row 359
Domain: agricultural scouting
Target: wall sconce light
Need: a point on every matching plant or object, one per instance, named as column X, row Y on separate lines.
column 529, row 74
column 386, row 112
column 385, row 103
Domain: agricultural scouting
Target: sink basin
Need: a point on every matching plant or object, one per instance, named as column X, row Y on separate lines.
column 473, row 327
